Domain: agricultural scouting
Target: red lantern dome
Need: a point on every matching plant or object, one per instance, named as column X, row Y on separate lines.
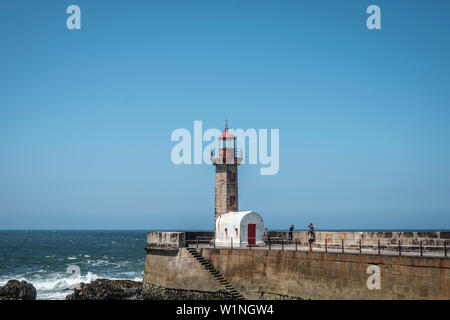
column 226, row 153
column 226, row 135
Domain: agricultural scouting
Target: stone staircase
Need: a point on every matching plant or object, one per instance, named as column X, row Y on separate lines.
column 207, row 266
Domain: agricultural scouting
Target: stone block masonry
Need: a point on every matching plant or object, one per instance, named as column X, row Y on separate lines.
column 177, row 269
column 330, row 275
column 276, row 274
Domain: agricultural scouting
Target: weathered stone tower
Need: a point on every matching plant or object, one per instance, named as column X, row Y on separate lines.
column 226, row 160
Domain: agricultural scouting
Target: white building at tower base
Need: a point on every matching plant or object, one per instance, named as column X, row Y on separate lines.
column 239, row 229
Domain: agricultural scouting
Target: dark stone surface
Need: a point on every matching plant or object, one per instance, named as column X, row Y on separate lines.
column 162, row 250
column 15, row 290
column 192, row 235
column 105, row 289
column 445, row 235
column 276, row 296
column 422, row 234
column 408, row 234
column 154, row 292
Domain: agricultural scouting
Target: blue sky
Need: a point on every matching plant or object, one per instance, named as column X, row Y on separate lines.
column 86, row 115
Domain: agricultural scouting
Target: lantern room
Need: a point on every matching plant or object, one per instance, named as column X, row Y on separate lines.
column 226, row 152
column 227, row 144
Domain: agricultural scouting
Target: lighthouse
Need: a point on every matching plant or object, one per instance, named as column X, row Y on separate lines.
column 226, row 161
column 232, row 227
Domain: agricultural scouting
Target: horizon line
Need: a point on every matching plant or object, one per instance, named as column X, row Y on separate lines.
column 273, row 230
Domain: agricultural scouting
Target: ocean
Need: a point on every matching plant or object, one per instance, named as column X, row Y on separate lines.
column 54, row 260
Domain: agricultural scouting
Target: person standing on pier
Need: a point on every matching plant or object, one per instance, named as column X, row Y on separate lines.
column 266, row 234
column 291, row 229
column 311, row 235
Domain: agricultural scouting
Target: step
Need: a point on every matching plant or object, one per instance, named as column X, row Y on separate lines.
column 207, row 265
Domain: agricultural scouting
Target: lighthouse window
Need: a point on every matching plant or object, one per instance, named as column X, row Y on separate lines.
column 232, row 176
column 232, row 200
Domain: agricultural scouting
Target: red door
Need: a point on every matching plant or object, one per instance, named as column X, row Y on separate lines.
column 251, row 233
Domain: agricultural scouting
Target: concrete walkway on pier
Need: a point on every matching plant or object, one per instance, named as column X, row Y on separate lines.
column 392, row 251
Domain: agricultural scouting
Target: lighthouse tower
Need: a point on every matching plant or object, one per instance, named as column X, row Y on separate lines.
column 226, row 160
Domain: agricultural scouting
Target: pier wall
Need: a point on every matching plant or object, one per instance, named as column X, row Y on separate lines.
column 257, row 273
column 262, row 274
column 169, row 264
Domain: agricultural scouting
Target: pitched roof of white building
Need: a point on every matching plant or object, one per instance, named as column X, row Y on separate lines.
column 235, row 218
